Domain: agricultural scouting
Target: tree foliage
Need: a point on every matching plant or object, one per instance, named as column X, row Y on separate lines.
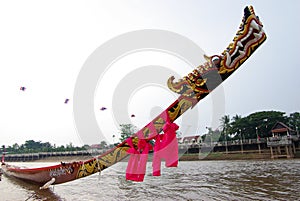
column 126, row 130
column 225, row 125
column 294, row 121
column 31, row 146
column 257, row 124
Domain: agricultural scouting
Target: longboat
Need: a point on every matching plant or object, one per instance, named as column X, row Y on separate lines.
column 191, row 89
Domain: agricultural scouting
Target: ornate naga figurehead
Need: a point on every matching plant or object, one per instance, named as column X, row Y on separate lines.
column 203, row 79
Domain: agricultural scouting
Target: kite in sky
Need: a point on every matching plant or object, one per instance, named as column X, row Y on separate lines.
column 132, row 115
column 103, row 108
column 22, row 88
column 66, row 101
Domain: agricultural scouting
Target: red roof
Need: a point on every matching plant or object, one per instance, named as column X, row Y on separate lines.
column 280, row 127
column 95, row 146
column 279, row 130
column 191, row 137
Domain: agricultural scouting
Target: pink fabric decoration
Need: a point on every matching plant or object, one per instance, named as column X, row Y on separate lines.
column 166, row 147
column 136, row 167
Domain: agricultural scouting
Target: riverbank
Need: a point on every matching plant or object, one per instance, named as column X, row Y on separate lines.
column 184, row 157
column 224, row 156
column 192, row 156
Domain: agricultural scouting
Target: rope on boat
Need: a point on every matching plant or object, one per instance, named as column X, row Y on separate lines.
column 30, row 196
column 46, row 185
column 99, row 169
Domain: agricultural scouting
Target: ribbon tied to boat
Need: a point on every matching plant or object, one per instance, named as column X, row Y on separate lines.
column 136, row 167
column 166, row 147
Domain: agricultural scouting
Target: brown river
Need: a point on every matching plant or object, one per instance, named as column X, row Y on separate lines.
column 192, row 180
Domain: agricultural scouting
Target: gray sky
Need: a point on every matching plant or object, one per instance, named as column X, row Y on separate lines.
column 45, row 44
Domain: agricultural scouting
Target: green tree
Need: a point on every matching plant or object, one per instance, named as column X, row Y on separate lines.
column 294, row 121
column 69, row 147
column 211, row 136
column 46, row 146
column 126, row 130
column 32, row 146
column 225, row 125
column 3, row 149
column 16, row 147
column 262, row 122
column 103, row 144
column 258, row 123
column 237, row 124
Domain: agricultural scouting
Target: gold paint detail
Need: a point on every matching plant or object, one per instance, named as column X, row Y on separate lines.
column 90, row 167
column 248, row 38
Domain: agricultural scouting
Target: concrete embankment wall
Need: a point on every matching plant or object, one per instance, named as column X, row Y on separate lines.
column 232, row 152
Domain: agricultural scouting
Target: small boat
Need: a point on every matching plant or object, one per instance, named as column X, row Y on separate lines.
column 65, row 172
column 192, row 89
column 42, row 175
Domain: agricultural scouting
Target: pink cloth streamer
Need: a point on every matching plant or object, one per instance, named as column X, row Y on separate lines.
column 166, row 147
column 136, row 167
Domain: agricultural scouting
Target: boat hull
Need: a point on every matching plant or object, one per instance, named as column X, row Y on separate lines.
column 65, row 172
column 43, row 175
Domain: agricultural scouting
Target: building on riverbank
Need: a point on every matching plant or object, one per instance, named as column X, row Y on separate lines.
column 283, row 142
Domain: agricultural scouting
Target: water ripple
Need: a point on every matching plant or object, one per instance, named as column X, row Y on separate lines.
column 195, row 180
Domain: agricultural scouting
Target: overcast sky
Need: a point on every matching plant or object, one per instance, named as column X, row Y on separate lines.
column 43, row 46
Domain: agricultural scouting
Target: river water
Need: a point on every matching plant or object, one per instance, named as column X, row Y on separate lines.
column 192, row 180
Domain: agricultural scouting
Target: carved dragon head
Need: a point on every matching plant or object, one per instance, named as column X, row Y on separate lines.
column 206, row 77
column 249, row 36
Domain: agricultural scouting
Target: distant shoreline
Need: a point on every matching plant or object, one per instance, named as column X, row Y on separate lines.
column 224, row 156
column 184, row 157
